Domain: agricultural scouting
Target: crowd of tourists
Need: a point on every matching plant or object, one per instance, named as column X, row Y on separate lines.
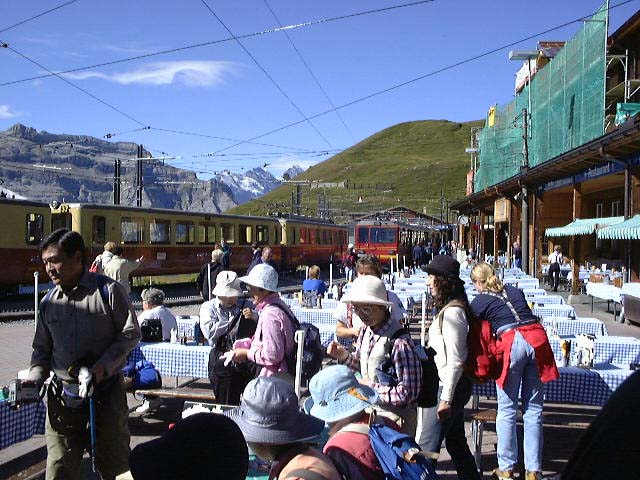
column 371, row 388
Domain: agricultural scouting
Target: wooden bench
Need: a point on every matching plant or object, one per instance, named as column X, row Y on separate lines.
column 480, row 417
column 194, row 394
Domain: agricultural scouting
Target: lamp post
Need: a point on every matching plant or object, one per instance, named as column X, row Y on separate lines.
column 527, row 55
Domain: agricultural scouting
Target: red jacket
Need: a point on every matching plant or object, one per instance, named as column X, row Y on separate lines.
column 535, row 336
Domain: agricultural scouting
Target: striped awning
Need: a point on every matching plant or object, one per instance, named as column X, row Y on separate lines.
column 627, row 230
column 582, row 226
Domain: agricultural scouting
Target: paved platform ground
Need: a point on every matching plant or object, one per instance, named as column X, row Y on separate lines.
column 560, row 437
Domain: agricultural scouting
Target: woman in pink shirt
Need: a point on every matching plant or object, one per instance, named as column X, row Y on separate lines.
column 273, row 343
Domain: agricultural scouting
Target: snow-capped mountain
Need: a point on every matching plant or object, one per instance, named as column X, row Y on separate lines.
column 252, row 184
column 292, row 172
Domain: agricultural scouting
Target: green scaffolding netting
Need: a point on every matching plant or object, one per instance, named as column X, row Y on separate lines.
column 567, row 108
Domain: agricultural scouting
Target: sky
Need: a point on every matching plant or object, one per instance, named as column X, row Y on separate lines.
column 246, row 102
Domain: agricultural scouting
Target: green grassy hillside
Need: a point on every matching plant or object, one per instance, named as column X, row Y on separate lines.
column 407, row 164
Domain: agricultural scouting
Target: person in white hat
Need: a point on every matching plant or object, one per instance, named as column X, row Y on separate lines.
column 382, row 344
column 272, row 347
column 223, row 321
column 217, row 314
column 349, row 262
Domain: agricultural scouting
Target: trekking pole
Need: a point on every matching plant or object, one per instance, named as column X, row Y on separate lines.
column 36, row 303
column 299, row 337
column 92, row 426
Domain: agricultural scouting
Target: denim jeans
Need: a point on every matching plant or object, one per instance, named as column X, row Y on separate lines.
column 522, row 371
column 451, row 430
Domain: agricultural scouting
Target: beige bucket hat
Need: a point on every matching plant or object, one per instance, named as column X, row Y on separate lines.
column 227, row 285
column 367, row 289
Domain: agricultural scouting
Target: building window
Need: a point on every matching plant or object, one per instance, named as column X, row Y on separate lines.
column 160, row 231
column 206, row 233
column 616, row 211
column 184, row 232
column 227, row 231
column 35, row 228
column 98, row 229
column 599, row 210
column 132, row 230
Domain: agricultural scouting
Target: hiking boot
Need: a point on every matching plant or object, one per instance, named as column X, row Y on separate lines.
column 497, row 473
column 533, row 476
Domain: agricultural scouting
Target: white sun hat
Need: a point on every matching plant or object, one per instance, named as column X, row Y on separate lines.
column 350, row 246
column 227, row 285
column 367, row 289
column 262, row 276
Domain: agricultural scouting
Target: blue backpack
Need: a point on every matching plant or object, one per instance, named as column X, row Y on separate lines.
column 141, row 375
column 399, row 455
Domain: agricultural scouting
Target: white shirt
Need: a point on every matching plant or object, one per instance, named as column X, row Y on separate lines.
column 163, row 314
column 215, row 319
column 555, row 257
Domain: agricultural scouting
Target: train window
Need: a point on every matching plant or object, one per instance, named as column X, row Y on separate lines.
column 98, row 229
column 207, row 233
column 363, row 234
column 132, row 229
column 184, row 232
column 60, row 220
column 35, row 228
column 227, row 231
column 160, row 231
column 277, row 234
column 244, row 232
column 262, row 234
column 324, row 237
column 303, row 235
column 383, row 235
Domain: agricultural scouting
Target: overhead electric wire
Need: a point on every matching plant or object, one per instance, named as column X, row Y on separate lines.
column 306, row 65
column 268, row 75
column 37, row 16
column 75, row 86
column 422, row 77
column 214, row 42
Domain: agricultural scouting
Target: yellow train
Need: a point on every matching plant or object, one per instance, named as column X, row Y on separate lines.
column 172, row 242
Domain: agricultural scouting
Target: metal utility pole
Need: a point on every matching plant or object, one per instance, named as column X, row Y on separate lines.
column 441, row 206
column 116, row 181
column 298, row 198
column 293, row 202
column 139, row 177
column 524, row 213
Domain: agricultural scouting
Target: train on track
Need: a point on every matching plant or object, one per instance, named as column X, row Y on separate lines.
column 396, row 239
column 172, row 242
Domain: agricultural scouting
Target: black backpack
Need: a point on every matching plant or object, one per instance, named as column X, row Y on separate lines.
column 151, row 330
column 312, row 352
column 229, row 381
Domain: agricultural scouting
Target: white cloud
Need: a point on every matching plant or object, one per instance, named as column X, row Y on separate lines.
column 6, row 112
column 190, row 73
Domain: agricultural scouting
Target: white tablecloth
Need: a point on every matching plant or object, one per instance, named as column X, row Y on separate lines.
column 605, row 292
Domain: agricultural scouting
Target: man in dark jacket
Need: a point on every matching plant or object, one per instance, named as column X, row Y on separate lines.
column 206, row 281
column 256, row 257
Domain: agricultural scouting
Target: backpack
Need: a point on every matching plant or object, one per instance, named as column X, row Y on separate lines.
column 399, row 455
column 151, row 330
column 348, row 261
column 312, row 352
column 141, row 375
column 430, row 382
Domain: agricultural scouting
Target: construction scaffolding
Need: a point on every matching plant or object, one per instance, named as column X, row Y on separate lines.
column 561, row 108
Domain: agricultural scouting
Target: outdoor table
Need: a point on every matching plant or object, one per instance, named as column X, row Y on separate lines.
column 574, row 326
column 609, row 293
column 174, row 359
column 546, row 299
column 608, row 349
column 324, row 320
column 566, row 311
column 533, row 292
column 186, row 325
column 576, row 385
column 21, row 424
